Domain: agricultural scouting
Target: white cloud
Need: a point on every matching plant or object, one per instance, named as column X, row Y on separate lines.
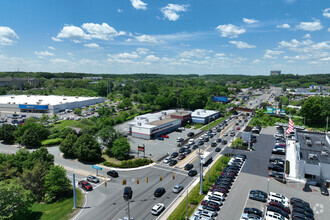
column 328, row 29
column 101, row 31
column 152, row 58
column 124, row 55
column 146, row 39
column 92, row 45
column 51, row 48
column 307, row 36
column 138, row 4
column 199, row 53
column 310, row 26
column 256, row 61
column 250, row 21
column 242, row 45
column 325, row 59
column 70, row 54
column 230, row 31
column 120, row 10
column 171, row 11
column 283, row 26
column 56, row 39
column 59, row 61
column 326, row 12
column 271, row 54
column 294, row 43
column 142, row 51
column 7, row 36
column 73, row 33
column 42, row 54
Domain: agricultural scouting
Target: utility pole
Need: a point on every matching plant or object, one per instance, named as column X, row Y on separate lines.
column 201, row 174
column 327, row 124
column 187, row 206
column 74, row 190
column 129, row 215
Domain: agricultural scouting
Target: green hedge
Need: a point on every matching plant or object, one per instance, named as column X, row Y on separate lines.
column 50, row 142
column 287, row 167
column 138, row 162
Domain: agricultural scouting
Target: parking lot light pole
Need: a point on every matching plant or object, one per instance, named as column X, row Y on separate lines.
column 74, row 190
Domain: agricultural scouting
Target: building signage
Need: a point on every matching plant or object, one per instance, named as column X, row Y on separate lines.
column 219, row 98
column 40, row 107
column 141, row 148
column 246, row 136
column 275, row 111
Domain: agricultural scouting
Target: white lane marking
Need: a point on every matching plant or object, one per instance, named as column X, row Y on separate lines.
column 81, row 209
column 247, row 198
column 169, row 170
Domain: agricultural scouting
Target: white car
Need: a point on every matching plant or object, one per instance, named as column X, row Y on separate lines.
column 157, row 209
column 274, row 216
column 167, row 160
column 280, row 196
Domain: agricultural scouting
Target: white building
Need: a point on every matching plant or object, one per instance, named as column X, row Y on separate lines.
column 44, row 104
column 204, row 116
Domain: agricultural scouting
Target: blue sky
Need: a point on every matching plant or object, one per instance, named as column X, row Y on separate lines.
column 165, row 36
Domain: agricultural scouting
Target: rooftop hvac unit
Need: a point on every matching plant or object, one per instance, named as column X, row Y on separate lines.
column 64, row 98
column 312, row 156
column 13, row 102
column 139, row 124
column 176, row 110
column 25, row 103
column 204, row 110
column 147, row 120
column 12, row 97
column 323, row 153
column 160, row 118
column 198, row 113
column 28, row 95
column 8, row 102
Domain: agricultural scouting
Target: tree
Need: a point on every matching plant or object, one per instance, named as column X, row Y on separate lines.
column 312, row 110
column 44, row 118
column 108, row 135
column 56, row 183
column 15, row 200
column 30, row 139
column 120, row 148
column 31, row 133
column 87, row 148
column 67, row 144
column 7, row 133
column 55, row 117
column 77, row 111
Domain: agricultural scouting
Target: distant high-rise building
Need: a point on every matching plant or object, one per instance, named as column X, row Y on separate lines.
column 275, row 72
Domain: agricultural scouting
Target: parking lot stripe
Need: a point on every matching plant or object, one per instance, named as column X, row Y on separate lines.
column 246, row 200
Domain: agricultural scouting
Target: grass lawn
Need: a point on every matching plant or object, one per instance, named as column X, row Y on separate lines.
column 59, row 210
column 214, row 123
column 194, row 197
column 65, row 123
column 110, row 159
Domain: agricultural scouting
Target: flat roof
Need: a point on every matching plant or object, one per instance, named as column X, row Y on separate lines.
column 163, row 121
column 41, row 99
column 312, row 143
column 203, row 113
column 181, row 113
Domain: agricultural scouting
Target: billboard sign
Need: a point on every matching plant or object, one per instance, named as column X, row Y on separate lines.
column 276, row 111
column 246, row 136
column 42, row 107
column 141, row 148
column 219, row 98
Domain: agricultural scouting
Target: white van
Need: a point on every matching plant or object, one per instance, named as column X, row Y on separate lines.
column 278, row 200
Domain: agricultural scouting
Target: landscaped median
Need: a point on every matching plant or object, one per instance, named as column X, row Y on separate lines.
column 216, row 122
column 194, row 198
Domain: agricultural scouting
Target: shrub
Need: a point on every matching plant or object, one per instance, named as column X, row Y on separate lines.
column 129, row 163
column 50, row 142
column 194, row 202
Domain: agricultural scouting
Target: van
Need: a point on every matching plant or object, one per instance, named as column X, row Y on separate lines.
column 128, row 193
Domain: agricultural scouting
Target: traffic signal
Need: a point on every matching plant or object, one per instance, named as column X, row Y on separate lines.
column 173, row 176
column 160, row 178
column 137, row 181
column 147, row 180
column 105, row 184
column 124, row 182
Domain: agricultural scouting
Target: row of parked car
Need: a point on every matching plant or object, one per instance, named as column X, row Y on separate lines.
column 278, row 207
column 210, row 206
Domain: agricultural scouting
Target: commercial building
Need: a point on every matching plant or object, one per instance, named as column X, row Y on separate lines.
column 203, row 116
column 44, row 104
column 153, row 125
column 18, row 82
column 275, row 72
column 308, row 156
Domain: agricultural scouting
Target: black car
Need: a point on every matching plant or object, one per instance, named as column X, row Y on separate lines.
column 253, row 211
column 219, row 140
column 276, row 168
column 224, row 142
column 188, row 166
column 299, row 216
column 159, row 192
column 200, row 142
column 213, row 144
column 218, row 149
column 278, row 210
column 178, row 130
column 172, row 162
column 192, row 173
column 190, row 134
column 195, row 147
column 258, row 197
column 276, row 160
column 302, row 211
column 181, row 150
column 112, row 173
column 324, row 190
column 219, row 129
column 127, row 193
column 187, row 151
column 174, row 154
column 293, row 200
column 301, row 206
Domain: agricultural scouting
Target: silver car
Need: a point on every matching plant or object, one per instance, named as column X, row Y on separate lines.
column 177, row 188
column 167, row 160
column 93, row 179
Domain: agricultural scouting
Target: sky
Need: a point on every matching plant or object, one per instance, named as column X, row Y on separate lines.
column 165, row 36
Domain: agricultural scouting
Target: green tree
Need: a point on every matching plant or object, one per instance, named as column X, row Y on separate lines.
column 44, row 118
column 31, row 133
column 15, row 201
column 7, row 133
column 108, row 135
column 120, row 149
column 55, row 117
column 77, row 111
column 87, row 148
column 56, row 183
column 67, row 144
column 30, row 139
column 312, row 110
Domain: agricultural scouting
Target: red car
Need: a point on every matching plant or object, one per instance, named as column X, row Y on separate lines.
column 223, row 191
column 228, row 174
column 85, row 185
column 238, row 128
column 211, row 204
column 280, row 206
column 164, row 136
column 181, row 156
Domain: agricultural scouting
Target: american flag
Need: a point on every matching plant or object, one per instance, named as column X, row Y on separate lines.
column 291, row 126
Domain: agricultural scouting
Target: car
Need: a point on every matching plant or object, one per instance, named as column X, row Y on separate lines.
column 302, row 211
column 224, row 142
column 276, row 174
column 208, row 209
column 324, row 190
column 195, row 147
column 191, row 141
column 293, row 200
column 232, row 134
column 159, row 192
column 187, row 146
column 85, row 185
column 247, row 216
column 179, row 139
column 178, row 130
column 300, row 216
column 279, row 196
column 160, row 138
column 206, row 139
column 238, row 128
column 93, row 179
column 167, row 160
column 253, row 211
column 225, row 134
column 218, row 149
column 187, row 151
column 190, row 134
column 258, row 196
column 219, row 140
column 274, row 215
column 213, row 144
column 281, row 206
column 210, row 135
column 181, row 157
column 157, row 209
column 164, row 136
column 236, row 123
column 275, row 168
column 112, row 173
column 174, row 154
column 128, row 193
column 280, row 151
column 177, row 188
column 189, row 166
column 181, row 150
column 200, row 142
column 192, row 173
column 276, row 160
column 301, row 206
column 172, row 162
column 211, row 204
column 278, row 210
